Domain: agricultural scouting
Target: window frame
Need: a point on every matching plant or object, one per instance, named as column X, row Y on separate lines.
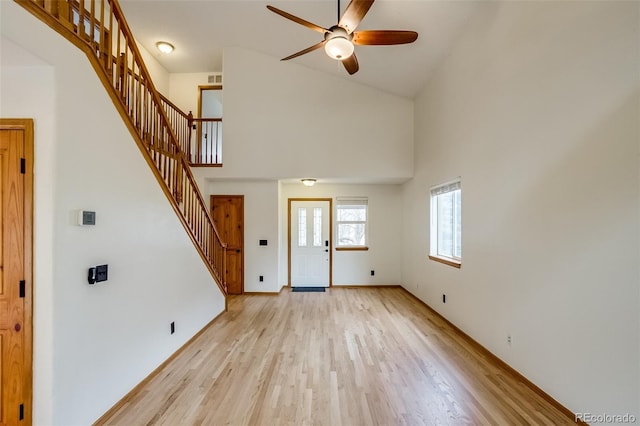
column 435, row 230
column 352, row 201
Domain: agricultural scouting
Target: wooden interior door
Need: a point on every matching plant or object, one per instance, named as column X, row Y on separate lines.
column 16, row 147
column 227, row 212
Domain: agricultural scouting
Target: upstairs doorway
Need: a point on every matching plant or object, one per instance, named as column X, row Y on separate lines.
column 207, row 146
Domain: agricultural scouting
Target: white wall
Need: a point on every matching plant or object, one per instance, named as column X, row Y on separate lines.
column 384, row 227
column 159, row 75
column 92, row 344
column 183, row 90
column 260, row 223
column 284, row 120
column 537, row 109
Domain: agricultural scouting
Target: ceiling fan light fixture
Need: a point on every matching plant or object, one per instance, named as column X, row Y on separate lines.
column 308, row 181
column 338, row 48
column 339, row 39
column 164, row 47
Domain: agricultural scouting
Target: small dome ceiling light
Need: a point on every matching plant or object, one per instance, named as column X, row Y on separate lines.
column 308, row 181
column 164, row 47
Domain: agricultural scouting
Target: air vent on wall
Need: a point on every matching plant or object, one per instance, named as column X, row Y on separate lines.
column 215, row 78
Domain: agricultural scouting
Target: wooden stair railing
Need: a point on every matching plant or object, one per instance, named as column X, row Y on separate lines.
column 99, row 29
column 181, row 122
column 206, row 149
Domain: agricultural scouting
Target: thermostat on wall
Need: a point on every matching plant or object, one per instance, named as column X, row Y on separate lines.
column 86, row 217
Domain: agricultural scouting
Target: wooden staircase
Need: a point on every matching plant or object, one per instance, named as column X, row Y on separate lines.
column 99, row 29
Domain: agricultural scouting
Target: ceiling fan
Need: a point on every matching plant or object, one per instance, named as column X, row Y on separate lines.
column 339, row 39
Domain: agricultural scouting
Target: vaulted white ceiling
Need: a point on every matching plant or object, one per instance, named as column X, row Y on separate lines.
column 201, row 29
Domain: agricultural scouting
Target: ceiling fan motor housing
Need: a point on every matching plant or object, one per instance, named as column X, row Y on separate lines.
column 337, row 31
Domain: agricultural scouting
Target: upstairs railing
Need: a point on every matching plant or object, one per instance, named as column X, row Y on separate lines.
column 98, row 28
column 200, row 138
column 206, row 148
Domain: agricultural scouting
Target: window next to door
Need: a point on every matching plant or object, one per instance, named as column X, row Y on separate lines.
column 351, row 223
column 446, row 224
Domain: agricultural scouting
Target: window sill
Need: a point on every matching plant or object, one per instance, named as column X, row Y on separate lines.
column 352, row 248
column 450, row 262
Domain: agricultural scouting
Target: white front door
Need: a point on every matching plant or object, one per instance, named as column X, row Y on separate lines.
column 310, row 243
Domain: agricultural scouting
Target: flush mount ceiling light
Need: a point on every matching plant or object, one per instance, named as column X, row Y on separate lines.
column 164, row 47
column 308, row 181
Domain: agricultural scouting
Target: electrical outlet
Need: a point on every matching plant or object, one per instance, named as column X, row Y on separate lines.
column 173, row 327
column 261, row 278
column 444, row 298
column 509, row 339
column 373, row 272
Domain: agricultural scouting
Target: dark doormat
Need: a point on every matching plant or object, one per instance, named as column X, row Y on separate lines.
column 309, row 289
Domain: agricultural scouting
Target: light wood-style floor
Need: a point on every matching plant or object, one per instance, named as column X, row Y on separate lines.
column 345, row 357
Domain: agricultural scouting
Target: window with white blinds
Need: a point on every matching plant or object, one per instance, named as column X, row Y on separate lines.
column 446, row 222
column 351, row 222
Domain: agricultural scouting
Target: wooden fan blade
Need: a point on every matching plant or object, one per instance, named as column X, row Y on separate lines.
column 298, row 20
column 302, row 52
column 354, row 13
column 351, row 64
column 384, row 37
